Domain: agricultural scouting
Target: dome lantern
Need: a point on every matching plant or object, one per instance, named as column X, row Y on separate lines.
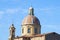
column 31, row 11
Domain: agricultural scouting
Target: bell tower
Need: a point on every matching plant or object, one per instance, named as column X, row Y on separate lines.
column 12, row 32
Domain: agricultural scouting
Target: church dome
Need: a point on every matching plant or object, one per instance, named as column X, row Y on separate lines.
column 31, row 19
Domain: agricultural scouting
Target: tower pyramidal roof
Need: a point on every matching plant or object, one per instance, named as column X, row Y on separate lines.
column 12, row 26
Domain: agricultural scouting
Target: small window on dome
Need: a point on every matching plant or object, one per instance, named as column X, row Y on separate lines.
column 29, row 30
column 23, row 30
column 35, row 30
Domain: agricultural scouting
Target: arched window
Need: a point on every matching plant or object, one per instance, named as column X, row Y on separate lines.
column 29, row 30
column 23, row 30
column 35, row 30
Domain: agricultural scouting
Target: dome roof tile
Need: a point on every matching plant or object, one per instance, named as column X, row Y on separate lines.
column 30, row 19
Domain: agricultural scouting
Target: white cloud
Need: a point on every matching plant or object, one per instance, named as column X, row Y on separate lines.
column 47, row 11
column 1, row 12
column 54, row 27
column 16, row 10
column 11, row 11
column 8, row 0
column 0, row 16
column 50, row 28
column 44, row 10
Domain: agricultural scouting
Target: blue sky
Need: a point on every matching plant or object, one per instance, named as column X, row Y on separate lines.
column 14, row 11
